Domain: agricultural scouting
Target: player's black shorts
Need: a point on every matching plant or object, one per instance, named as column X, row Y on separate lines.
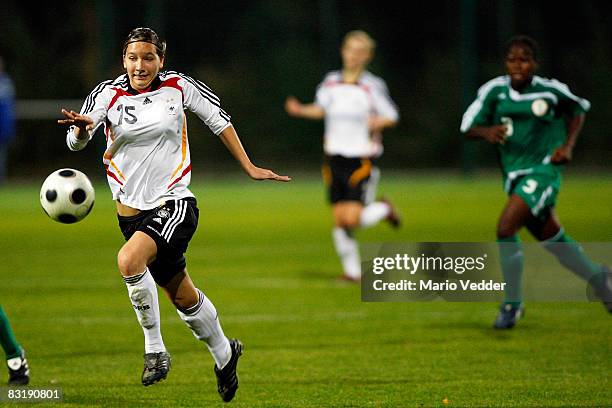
column 346, row 178
column 171, row 225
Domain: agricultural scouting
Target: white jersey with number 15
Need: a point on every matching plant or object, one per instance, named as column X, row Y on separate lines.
column 147, row 157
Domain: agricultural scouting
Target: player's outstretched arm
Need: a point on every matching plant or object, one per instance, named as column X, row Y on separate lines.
column 492, row 134
column 307, row 111
column 232, row 142
column 564, row 153
column 83, row 123
column 377, row 124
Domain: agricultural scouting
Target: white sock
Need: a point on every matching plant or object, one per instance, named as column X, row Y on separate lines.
column 373, row 213
column 348, row 251
column 203, row 321
column 143, row 295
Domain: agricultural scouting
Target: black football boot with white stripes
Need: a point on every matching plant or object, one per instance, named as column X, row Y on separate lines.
column 156, row 367
column 227, row 380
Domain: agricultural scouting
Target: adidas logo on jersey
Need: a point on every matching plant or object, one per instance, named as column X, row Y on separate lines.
column 159, row 220
column 147, row 101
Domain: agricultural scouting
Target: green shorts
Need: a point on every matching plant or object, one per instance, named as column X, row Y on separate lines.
column 537, row 186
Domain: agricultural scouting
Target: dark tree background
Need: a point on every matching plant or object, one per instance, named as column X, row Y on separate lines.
column 433, row 55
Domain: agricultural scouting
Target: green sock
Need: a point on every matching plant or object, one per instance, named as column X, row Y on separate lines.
column 511, row 259
column 11, row 348
column 571, row 255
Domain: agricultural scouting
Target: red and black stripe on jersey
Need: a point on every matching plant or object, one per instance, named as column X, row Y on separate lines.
column 123, row 83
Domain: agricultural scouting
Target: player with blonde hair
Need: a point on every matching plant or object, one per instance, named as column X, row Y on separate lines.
column 356, row 107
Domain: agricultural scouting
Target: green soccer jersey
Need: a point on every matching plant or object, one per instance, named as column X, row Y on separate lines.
column 535, row 119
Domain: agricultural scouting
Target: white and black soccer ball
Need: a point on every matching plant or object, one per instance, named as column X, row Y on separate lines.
column 67, row 196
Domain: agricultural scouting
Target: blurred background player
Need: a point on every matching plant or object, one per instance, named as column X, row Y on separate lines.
column 356, row 107
column 148, row 169
column 535, row 123
column 7, row 117
column 19, row 371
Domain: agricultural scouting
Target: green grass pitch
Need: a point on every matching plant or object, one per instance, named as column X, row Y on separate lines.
column 264, row 256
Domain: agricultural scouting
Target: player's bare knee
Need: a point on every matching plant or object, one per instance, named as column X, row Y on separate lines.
column 338, row 221
column 352, row 220
column 344, row 224
column 129, row 263
column 351, row 223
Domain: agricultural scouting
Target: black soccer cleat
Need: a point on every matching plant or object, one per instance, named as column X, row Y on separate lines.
column 508, row 316
column 227, row 380
column 156, row 367
column 393, row 218
column 19, row 371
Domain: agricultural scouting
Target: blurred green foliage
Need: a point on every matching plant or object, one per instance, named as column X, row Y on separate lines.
column 255, row 53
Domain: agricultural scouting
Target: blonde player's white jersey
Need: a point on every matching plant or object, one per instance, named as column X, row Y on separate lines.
column 147, row 157
column 348, row 106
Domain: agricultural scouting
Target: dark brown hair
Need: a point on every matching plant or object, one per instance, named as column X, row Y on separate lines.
column 145, row 34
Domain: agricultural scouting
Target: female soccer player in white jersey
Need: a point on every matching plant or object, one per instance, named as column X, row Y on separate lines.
column 148, row 167
column 356, row 107
column 534, row 122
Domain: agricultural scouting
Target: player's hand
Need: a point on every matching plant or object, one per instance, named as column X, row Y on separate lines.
column 83, row 122
column 494, row 134
column 376, row 124
column 257, row 173
column 562, row 155
column 293, row 106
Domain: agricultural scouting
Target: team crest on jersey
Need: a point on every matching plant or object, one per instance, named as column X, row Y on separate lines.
column 539, row 107
column 171, row 107
column 163, row 213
